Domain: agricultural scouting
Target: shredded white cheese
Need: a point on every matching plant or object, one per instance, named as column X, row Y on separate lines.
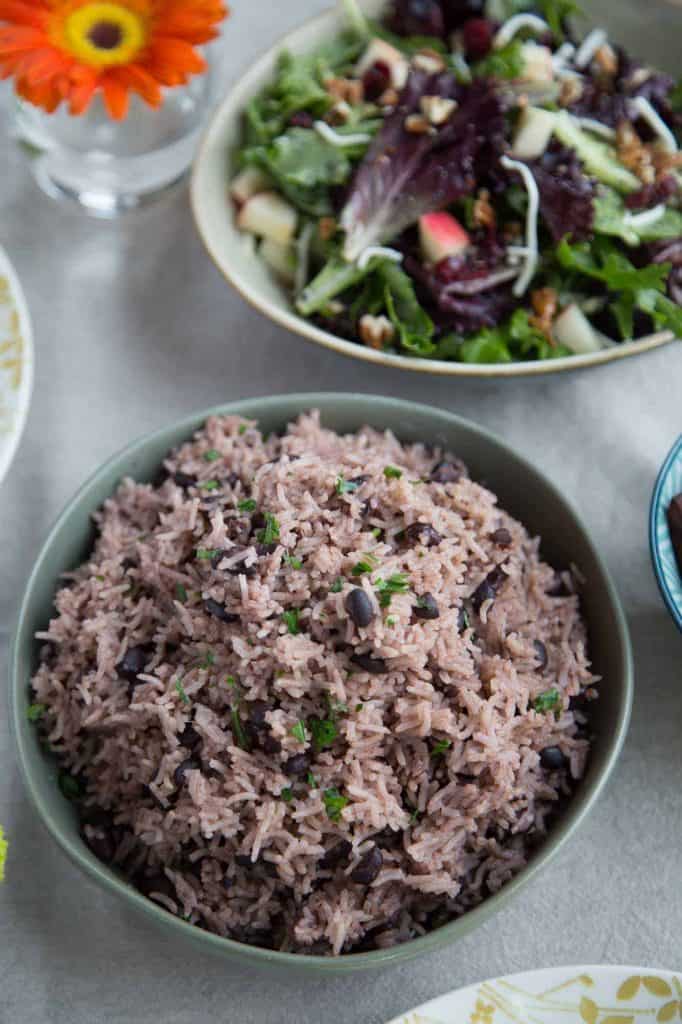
column 563, row 56
column 589, row 46
column 303, row 257
column 381, row 251
column 656, row 123
column 328, row 133
column 642, row 220
column 596, row 127
column 505, row 35
column 532, row 255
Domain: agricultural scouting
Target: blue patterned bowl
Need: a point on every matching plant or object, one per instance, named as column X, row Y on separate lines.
column 669, row 484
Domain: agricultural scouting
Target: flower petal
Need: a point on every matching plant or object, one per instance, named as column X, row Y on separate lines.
column 116, row 96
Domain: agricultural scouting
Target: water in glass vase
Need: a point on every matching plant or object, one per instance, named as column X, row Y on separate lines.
column 109, row 166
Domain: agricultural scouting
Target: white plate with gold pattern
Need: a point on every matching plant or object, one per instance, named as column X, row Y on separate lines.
column 561, row 995
column 16, row 362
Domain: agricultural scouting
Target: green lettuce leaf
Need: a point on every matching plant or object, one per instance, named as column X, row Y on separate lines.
column 414, row 326
column 505, row 63
column 611, row 218
column 304, row 167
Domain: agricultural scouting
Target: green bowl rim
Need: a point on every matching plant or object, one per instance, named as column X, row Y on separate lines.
column 577, row 811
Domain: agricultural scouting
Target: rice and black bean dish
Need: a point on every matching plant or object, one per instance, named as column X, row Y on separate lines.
column 313, row 692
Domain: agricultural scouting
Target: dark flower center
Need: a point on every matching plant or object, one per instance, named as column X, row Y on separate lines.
column 105, row 35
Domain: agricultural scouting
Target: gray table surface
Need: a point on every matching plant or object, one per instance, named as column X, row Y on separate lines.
column 135, row 328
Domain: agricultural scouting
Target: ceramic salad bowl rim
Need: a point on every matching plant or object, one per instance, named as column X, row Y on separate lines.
column 208, row 196
column 25, row 388
column 673, row 603
column 355, row 409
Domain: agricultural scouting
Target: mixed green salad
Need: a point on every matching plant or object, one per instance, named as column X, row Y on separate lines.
column 468, row 180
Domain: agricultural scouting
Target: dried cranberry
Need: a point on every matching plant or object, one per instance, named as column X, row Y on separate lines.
column 418, row 18
column 477, row 36
column 458, row 11
column 376, row 80
column 301, row 119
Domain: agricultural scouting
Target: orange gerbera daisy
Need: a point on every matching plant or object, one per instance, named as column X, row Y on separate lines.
column 67, row 50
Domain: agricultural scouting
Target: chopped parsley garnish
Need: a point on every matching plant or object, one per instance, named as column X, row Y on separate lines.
column 359, row 707
column 336, row 707
column 311, row 780
column 298, row 732
column 390, row 621
column 290, row 620
column 243, row 427
column 337, row 586
column 376, row 532
column 550, row 700
column 365, row 565
column 247, row 505
column 392, row 473
column 415, row 816
column 35, row 712
column 466, row 621
column 294, row 562
column 287, row 794
column 231, row 681
column 100, row 578
column 181, row 691
column 439, row 748
column 180, row 592
column 334, row 803
column 240, row 736
column 211, row 456
column 270, row 532
column 206, row 554
column 397, row 584
column 344, row 486
column 323, row 731
column 210, row 485
column 209, row 658
column 71, row 788
column 3, row 854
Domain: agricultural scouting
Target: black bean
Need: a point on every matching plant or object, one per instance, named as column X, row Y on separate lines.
column 244, row 860
column 189, row 737
column 97, row 818
column 270, row 745
column 233, row 479
column 297, row 764
column 335, row 855
column 449, row 471
column 359, row 480
column 266, row 549
column 128, row 563
column 541, row 654
column 257, row 711
column 359, row 607
column 218, row 611
column 237, row 568
column 422, row 533
column 367, row 869
column 553, row 759
column 426, row 607
column 375, row 666
column 180, row 774
column 557, row 587
column 502, row 538
column 388, row 839
column 487, row 590
column 134, row 661
column 184, row 480
column 148, row 884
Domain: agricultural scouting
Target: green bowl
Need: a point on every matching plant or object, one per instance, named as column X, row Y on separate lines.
column 522, row 489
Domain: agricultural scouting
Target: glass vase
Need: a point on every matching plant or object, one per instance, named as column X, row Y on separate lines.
column 110, row 167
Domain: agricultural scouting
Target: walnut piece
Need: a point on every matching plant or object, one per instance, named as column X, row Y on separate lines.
column 545, row 302
column 376, row 331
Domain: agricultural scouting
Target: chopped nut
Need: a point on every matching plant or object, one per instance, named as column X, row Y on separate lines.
column 429, row 60
column 351, row 90
column 437, row 108
column 606, row 59
column 664, row 162
column 326, row 228
column 339, row 113
column 545, row 302
column 375, row 331
column 634, row 154
column 335, row 307
column 389, row 98
column 483, row 213
column 571, row 90
column 418, row 125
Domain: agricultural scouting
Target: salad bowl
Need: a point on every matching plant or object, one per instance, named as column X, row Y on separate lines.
column 235, row 254
column 666, row 569
column 16, row 362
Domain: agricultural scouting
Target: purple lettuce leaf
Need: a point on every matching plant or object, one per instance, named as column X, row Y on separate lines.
column 405, row 175
column 566, row 193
